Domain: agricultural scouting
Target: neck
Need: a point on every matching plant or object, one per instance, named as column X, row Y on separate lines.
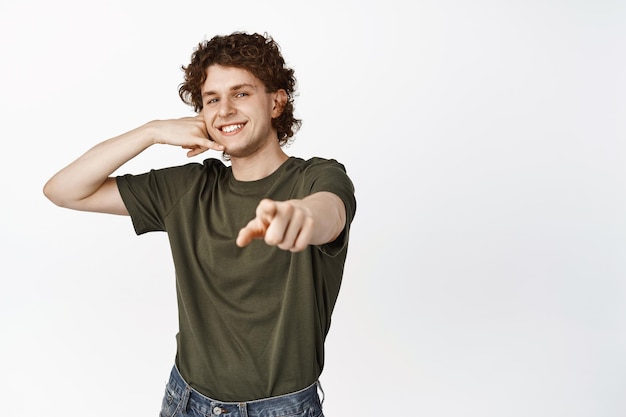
column 258, row 166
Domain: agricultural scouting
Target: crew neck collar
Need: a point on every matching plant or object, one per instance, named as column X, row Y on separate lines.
column 260, row 183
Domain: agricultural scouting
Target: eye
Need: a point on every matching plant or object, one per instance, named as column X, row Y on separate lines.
column 211, row 101
column 241, row 94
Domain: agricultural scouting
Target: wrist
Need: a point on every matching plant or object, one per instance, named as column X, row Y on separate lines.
column 149, row 133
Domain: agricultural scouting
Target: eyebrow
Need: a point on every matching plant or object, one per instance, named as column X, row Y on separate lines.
column 233, row 88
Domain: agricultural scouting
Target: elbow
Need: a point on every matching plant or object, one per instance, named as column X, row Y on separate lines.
column 48, row 191
column 51, row 193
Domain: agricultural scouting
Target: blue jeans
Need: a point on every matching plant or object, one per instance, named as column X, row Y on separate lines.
column 181, row 400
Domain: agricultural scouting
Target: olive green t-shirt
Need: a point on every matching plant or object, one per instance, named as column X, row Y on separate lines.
column 253, row 320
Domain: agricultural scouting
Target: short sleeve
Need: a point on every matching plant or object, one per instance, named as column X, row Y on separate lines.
column 149, row 197
column 331, row 176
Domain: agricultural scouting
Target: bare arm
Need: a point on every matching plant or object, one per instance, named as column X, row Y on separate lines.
column 86, row 184
column 294, row 224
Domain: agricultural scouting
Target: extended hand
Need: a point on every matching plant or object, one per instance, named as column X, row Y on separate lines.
column 286, row 224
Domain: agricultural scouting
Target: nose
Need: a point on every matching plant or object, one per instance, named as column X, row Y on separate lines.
column 226, row 108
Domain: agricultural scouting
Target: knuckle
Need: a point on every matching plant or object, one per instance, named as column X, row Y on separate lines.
column 264, row 205
column 271, row 238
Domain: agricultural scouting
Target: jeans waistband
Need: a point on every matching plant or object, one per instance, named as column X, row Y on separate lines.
column 292, row 403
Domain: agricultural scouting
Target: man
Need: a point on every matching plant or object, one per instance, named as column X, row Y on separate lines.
column 258, row 246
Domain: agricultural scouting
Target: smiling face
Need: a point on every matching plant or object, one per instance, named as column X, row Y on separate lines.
column 238, row 111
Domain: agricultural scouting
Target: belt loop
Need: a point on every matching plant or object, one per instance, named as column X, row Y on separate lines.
column 243, row 409
column 319, row 386
column 184, row 403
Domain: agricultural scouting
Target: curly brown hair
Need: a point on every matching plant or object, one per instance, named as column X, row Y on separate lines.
column 260, row 55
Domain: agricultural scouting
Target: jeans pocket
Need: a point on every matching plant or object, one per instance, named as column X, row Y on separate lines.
column 170, row 403
column 313, row 411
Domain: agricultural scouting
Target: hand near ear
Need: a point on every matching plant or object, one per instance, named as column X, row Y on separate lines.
column 187, row 132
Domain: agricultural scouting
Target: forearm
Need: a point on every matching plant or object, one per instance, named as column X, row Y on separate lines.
column 85, row 184
column 329, row 216
column 83, row 177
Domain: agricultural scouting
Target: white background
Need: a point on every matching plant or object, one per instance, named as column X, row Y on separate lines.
column 486, row 141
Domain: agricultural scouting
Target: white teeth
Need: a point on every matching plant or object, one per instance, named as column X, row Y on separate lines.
column 231, row 128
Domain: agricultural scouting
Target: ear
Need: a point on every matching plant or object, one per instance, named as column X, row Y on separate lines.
column 280, row 100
